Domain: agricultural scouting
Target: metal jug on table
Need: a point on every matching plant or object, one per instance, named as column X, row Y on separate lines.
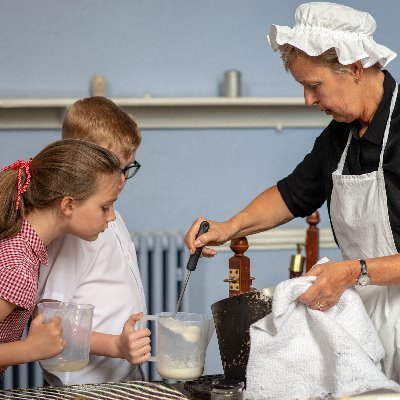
column 233, row 317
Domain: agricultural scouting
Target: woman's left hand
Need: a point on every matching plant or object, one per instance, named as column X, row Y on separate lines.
column 332, row 279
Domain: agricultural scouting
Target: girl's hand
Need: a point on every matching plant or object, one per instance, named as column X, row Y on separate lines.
column 45, row 339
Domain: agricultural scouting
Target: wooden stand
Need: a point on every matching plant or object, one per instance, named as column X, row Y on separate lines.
column 311, row 249
column 312, row 240
column 239, row 268
column 239, row 265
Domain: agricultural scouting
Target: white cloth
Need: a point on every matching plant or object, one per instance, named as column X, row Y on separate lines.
column 103, row 273
column 322, row 25
column 360, row 219
column 298, row 353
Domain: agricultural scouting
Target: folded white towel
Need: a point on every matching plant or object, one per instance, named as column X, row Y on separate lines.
column 300, row 353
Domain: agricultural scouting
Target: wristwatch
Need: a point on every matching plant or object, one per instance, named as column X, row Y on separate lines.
column 364, row 279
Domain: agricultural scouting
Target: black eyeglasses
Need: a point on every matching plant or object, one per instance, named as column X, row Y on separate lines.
column 131, row 170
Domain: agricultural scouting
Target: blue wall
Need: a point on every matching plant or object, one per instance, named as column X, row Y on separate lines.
column 160, row 47
column 171, row 48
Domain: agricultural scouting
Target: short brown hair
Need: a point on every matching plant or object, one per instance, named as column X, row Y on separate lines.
column 64, row 168
column 99, row 120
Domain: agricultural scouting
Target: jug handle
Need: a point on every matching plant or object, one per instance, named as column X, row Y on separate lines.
column 152, row 318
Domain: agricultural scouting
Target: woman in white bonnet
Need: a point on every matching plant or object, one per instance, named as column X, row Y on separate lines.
column 354, row 165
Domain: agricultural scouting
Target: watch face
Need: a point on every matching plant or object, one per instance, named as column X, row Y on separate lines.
column 364, row 280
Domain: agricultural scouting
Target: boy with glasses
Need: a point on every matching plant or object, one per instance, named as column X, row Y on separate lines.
column 104, row 272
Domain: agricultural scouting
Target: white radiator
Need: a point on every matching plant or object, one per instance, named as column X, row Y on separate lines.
column 160, row 258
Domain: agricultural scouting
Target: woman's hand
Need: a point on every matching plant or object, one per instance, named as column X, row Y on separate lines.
column 45, row 339
column 134, row 345
column 332, row 279
column 218, row 233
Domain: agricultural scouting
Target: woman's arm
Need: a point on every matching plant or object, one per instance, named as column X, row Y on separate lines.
column 334, row 277
column 266, row 211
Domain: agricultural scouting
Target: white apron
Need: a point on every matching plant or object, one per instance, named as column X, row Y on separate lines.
column 360, row 219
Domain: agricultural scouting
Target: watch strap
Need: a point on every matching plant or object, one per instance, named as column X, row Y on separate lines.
column 364, row 269
column 363, row 279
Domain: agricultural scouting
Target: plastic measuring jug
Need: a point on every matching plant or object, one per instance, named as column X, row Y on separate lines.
column 181, row 344
column 77, row 327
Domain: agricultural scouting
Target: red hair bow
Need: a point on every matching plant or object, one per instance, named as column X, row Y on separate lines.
column 19, row 165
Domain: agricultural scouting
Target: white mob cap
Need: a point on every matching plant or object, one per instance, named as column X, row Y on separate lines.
column 321, row 26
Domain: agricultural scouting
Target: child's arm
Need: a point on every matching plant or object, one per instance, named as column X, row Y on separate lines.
column 5, row 309
column 44, row 340
column 131, row 345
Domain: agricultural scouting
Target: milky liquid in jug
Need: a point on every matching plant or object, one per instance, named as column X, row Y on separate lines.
column 187, row 336
column 181, row 345
column 77, row 324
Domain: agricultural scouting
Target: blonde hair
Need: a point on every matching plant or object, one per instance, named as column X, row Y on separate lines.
column 329, row 57
column 99, row 120
column 64, row 168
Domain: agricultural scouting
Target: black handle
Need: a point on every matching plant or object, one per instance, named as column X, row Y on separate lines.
column 192, row 263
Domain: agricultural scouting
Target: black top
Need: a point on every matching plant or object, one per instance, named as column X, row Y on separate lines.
column 310, row 184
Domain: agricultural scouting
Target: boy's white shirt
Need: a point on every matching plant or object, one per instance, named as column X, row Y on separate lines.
column 104, row 273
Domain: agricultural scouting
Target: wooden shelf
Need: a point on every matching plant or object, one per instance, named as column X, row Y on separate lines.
column 174, row 113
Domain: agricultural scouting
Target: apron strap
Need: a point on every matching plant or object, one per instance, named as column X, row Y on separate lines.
column 339, row 169
column 385, row 136
column 340, row 166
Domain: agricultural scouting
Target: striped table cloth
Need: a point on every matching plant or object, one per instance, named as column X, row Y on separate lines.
column 134, row 390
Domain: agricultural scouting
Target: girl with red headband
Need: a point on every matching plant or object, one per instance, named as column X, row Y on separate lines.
column 68, row 188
